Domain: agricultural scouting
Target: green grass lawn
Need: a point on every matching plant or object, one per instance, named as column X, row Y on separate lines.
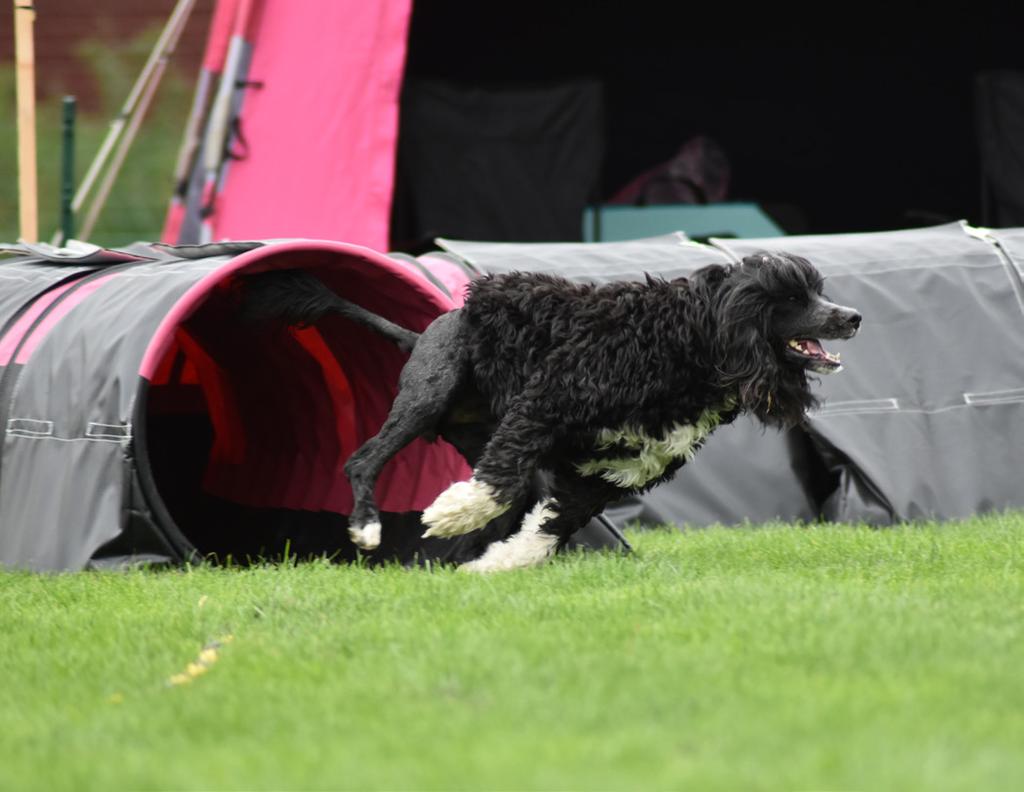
column 825, row 657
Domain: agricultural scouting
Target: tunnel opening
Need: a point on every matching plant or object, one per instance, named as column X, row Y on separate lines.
column 246, row 426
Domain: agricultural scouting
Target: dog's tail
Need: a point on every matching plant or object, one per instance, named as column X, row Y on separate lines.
column 297, row 298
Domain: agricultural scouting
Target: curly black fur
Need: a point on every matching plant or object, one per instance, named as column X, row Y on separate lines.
column 649, row 353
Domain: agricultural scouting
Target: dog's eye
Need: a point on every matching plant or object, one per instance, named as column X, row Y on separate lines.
column 793, row 299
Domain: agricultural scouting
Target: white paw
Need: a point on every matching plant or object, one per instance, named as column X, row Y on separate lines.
column 366, row 537
column 465, row 506
column 530, row 547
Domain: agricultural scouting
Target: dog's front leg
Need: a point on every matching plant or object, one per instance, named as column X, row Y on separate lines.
column 529, row 546
column 574, row 500
column 501, row 478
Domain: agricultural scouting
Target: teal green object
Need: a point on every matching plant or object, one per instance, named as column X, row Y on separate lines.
column 618, row 223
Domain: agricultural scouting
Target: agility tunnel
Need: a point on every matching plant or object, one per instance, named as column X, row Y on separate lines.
column 923, row 422
column 146, row 419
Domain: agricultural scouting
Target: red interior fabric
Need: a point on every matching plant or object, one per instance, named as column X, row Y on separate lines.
column 340, row 392
column 164, row 374
column 228, row 431
column 288, row 407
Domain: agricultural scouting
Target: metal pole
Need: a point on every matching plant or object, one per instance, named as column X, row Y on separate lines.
column 28, row 189
column 67, row 170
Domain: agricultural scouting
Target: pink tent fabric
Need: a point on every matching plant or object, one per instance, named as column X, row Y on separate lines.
column 318, row 124
column 218, row 37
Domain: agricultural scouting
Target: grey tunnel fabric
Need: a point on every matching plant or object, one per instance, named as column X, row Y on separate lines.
column 920, row 424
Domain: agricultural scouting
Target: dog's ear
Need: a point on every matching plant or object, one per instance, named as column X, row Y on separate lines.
column 709, row 277
column 746, row 360
column 761, row 258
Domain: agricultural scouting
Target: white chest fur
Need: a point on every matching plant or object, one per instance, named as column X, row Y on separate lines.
column 650, row 455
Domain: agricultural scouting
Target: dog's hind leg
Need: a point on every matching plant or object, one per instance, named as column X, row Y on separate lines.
column 428, row 384
column 573, row 501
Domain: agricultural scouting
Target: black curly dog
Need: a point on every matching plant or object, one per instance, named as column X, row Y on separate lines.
column 610, row 389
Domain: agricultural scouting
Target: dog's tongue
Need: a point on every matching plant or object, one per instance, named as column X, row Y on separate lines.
column 812, row 346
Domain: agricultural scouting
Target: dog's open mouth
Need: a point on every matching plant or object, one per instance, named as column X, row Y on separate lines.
column 816, row 356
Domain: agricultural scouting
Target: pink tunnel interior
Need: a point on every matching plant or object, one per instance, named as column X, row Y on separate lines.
column 260, row 416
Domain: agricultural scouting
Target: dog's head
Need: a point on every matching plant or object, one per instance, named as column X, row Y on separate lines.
column 771, row 318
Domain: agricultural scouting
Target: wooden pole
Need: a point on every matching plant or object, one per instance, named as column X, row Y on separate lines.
column 24, row 56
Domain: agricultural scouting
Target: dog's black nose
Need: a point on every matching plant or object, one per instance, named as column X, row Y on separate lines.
column 854, row 320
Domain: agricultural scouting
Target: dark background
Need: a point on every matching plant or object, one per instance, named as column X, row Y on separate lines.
column 834, row 117
column 845, row 117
